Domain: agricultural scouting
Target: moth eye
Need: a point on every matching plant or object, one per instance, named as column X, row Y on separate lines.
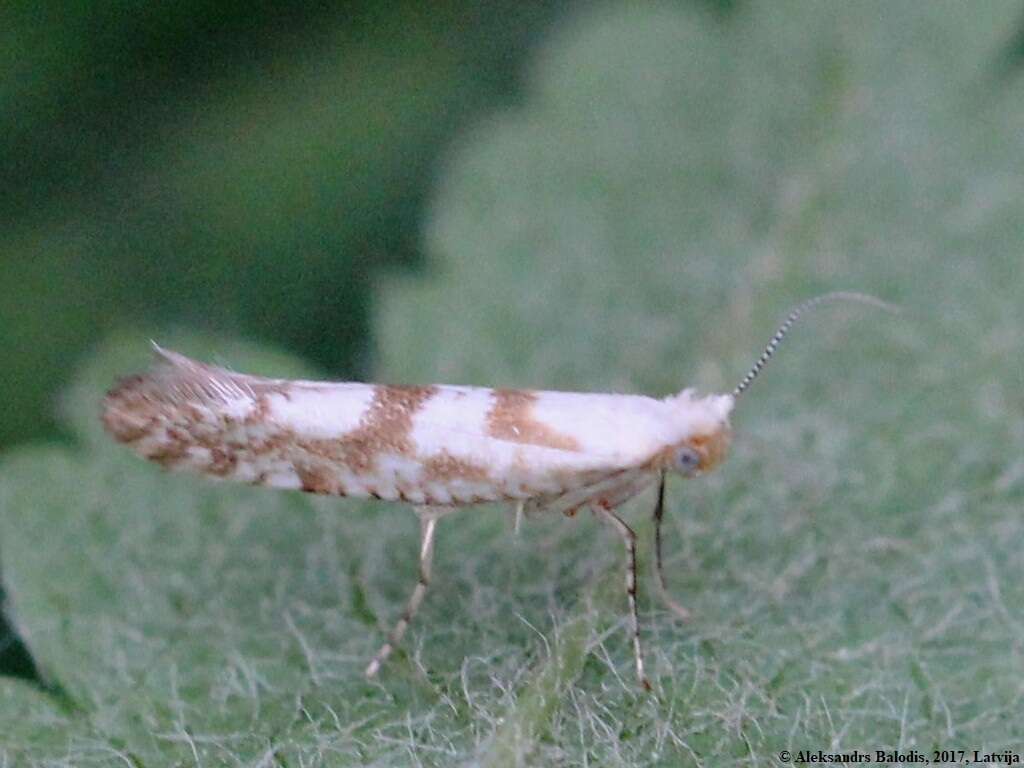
column 687, row 460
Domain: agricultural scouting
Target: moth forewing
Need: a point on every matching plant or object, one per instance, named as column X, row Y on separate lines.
column 431, row 445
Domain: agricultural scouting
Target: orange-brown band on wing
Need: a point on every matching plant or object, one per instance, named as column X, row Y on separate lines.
column 512, row 418
column 386, row 427
column 444, row 466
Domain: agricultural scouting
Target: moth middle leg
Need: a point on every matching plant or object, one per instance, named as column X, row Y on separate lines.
column 603, row 497
column 629, row 540
column 428, row 525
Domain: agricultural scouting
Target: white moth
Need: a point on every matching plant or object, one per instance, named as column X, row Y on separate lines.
column 437, row 448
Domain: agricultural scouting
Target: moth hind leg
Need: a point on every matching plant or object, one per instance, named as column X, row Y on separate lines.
column 428, row 526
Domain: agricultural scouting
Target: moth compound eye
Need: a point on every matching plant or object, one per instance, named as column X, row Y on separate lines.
column 687, row 460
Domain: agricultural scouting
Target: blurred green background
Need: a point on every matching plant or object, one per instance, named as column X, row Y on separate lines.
column 555, row 194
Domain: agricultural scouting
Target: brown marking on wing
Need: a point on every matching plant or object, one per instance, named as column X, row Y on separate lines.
column 165, row 416
column 443, row 466
column 261, row 408
column 262, row 391
column 137, row 408
column 179, row 391
column 511, row 418
column 222, row 461
column 167, row 454
column 124, row 414
column 130, row 414
column 385, row 427
column 316, row 479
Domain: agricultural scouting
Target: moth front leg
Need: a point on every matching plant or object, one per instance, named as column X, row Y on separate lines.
column 659, row 513
column 610, row 492
column 428, row 524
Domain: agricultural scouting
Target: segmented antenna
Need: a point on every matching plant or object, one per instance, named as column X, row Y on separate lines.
column 794, row 314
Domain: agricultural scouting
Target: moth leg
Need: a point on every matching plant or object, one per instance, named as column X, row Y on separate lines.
column 428, row 525
column 517, row 516
column 633, row 484
column 629, row 540
column 609, row 487
column 659, row 513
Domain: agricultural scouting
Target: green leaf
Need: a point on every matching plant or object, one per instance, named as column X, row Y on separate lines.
column 33, row 720
column 668, row 187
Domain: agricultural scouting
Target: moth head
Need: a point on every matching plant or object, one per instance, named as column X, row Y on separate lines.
column 702, row 453
column 707, row 433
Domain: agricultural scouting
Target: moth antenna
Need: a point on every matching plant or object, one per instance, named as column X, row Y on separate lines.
column 793, row 316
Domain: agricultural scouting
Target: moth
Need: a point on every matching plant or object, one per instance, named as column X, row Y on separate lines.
column 437, row 448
